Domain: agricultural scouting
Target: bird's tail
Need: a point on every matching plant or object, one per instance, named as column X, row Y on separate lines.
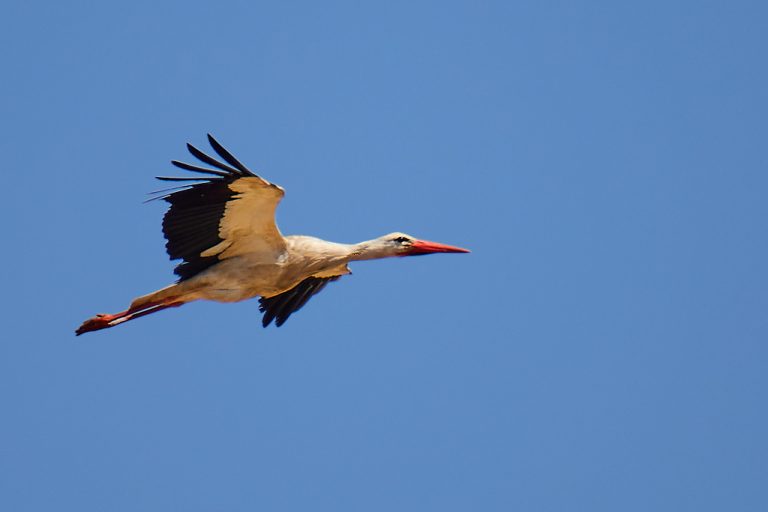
column 145, row 305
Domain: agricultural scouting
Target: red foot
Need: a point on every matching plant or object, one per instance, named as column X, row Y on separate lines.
column 97, row 322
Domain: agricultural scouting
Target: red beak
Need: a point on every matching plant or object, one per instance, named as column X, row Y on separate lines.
column 427, row 247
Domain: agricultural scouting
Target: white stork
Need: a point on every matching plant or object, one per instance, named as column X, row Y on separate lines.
column 223, row 228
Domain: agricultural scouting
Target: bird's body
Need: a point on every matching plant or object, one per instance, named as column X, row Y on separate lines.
column 223, row 229
column 264, row 274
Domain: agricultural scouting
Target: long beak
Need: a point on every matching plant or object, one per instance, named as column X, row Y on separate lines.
column 427, row 247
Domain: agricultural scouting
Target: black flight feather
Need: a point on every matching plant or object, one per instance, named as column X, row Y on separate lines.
column 191, row 224
column 196, row 168
column 211, row 161
column 281, row 306
column 226, row 155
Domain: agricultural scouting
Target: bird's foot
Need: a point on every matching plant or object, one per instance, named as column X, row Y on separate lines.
column 100, row 321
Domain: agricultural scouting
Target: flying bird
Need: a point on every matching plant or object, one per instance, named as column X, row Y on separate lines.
column 222, row 227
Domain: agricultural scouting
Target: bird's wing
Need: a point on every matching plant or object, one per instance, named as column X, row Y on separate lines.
column 231, row 212
column 280, row 307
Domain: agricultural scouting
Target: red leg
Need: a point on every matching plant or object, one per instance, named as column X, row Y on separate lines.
column 103, row 321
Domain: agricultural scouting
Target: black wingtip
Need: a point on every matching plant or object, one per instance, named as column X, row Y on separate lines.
column 204, row 157
column 185, row 178
column 212, row 141
column 229, row 157
column 196, row 168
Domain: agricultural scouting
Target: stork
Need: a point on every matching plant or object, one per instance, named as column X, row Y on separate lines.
column 222, row 227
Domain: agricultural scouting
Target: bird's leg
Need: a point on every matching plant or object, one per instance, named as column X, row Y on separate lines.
column 104, row 321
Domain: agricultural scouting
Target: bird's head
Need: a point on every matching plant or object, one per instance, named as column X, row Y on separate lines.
column 401, row 244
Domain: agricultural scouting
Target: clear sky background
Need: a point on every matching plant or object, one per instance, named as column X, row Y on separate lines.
column 602, row 348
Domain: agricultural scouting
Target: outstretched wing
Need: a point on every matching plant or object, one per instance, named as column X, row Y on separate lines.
column 229, row 212
column 280, row 307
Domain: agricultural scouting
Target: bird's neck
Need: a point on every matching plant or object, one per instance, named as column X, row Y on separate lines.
column 371, row 250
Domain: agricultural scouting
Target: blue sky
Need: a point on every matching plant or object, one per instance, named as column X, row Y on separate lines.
column 602, row 348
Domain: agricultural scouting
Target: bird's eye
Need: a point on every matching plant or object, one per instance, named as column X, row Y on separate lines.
column 402, row 240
